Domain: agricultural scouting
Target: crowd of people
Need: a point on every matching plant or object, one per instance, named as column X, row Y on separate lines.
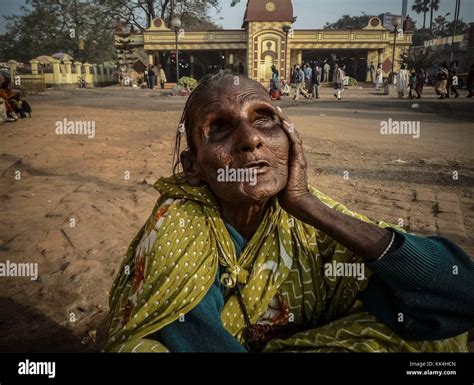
column 447, row 82
column 153, row 76
column 410, row 83
column 12, row 106
column 149, row 78
column 305, row 79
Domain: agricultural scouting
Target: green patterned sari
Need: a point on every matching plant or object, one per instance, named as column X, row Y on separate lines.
column 174, row 259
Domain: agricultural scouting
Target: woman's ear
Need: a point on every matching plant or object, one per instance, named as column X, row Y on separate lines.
column 191, row 168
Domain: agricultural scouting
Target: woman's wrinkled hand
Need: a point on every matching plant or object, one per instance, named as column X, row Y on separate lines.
column 294, row 196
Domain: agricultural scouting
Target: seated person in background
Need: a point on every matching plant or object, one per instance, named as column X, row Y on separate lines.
column 272, row 264
column 20, row 106
column 285, row 88
column 7, row 94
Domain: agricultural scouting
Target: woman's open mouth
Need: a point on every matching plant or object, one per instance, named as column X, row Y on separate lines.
column 260, row 166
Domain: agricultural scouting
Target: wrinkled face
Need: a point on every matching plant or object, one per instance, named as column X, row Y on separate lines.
column 236, row 128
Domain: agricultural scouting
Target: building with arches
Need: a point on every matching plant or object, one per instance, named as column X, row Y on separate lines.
column 267, row 37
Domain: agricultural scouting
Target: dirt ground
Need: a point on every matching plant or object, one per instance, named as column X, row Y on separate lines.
column 390, row 177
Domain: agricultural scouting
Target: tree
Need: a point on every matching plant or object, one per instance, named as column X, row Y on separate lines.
column 421, row 6
column 418, row 58
column 420, row 36
column 440, row 26
column 126, row 54
column 36, row 33
column 81, row 28
column 434, row 6
column 443, row 28
column 349, row 22
column 193, row 14
column 85, row 28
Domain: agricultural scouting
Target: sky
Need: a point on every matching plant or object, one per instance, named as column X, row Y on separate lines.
column 315, row 13
column 310, row 13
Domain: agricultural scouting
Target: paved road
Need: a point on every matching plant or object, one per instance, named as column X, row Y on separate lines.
column 353, row 98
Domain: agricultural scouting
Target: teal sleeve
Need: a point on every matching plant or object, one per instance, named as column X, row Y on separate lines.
column 424, row 289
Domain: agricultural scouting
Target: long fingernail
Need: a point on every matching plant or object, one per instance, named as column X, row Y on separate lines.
column 279, row 109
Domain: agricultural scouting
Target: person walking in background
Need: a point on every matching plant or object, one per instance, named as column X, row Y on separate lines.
column 292, row 73
column 420, row 82
column 316, row 80
column 379, row 78
column 275, row 87
column 339, row 74
column 326, row 69
column 443, row 81
column 470, row 82
column 162, row 76
column 332, row 75
column 275, row 75
column 452, row 75
column 402, row 82
column 299, row 81
column 372, row 72
column 308, row 76
column 412, row 83
column 151, row 77
column 292, row 78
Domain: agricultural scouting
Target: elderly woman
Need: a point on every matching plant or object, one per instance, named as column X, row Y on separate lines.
column 261, row 261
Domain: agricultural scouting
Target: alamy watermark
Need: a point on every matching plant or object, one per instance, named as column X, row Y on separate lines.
column 228, row 174
column 75, row 127
column 28, row 367
column 341, row 269
column 13, row 269
column 400, row 127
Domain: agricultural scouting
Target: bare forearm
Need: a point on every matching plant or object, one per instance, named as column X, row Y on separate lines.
column 364, row 239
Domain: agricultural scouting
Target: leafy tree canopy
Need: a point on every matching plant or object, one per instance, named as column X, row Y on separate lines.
column 84, row 28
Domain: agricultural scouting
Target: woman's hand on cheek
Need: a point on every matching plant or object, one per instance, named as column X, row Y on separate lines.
column 293, row 197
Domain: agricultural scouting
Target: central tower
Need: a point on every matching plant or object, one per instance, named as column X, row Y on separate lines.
column 268, row 24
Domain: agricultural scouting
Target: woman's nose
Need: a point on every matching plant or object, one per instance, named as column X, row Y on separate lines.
column 247, row 138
